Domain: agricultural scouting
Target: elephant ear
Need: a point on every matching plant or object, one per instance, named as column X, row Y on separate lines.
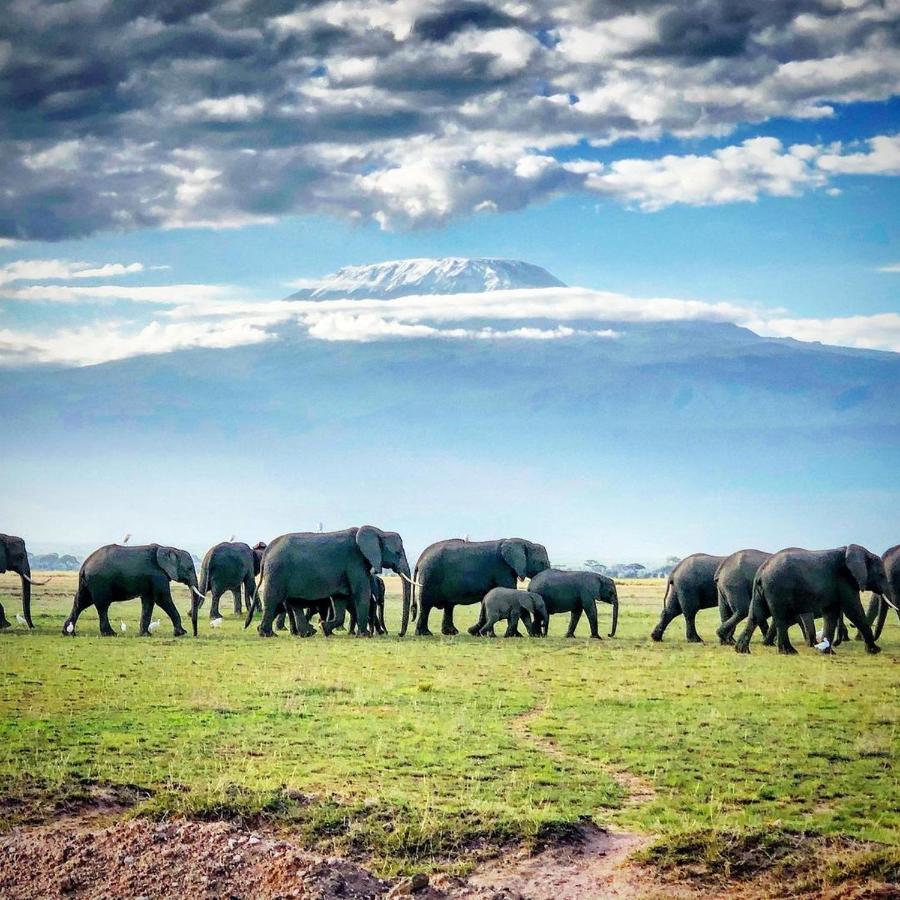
column 513, row 554
column 168, row 562
column 855, row 557
column 368, row 539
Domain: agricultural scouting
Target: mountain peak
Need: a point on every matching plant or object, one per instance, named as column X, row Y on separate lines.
column 445, row 275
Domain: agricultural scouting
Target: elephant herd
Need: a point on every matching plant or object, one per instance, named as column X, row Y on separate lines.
column 792, row 586
column 301, row 575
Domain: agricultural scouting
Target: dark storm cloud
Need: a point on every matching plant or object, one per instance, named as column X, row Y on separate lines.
column 127, row 113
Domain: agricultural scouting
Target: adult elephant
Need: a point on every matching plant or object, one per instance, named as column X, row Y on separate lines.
column 14, row 558
column 690, row 587
column 230, row 566
column 818, row 582
column 576, row 593
column 457, row 572
column 115, row 573
column 878, row 605
column 300, row 569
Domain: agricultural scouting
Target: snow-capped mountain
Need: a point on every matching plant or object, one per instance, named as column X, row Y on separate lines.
column 447, row 275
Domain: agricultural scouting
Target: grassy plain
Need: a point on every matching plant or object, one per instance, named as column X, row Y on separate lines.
column 412, row 751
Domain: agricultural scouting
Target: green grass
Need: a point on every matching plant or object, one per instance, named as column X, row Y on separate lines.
column 412, row 751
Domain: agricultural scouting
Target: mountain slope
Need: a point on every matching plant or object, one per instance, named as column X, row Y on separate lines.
column 448, row 275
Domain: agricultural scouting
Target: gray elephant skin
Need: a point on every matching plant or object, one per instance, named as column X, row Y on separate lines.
column 14, row 558
column 879, row 604
column 230, row 566
column 819, row 582
column 512, row 604
column 691, row 586
column 115, row 573
column 576, row 593
column 301, row 569
column 376, row 609
column 458, row 572
column 734, row 587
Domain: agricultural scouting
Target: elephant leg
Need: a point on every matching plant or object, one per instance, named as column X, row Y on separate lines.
column 729, row 619
column 379, row 617
column 589, row 604
column 102, row 605
column 4, row 622
column 771, row 633
column 351, row 609
column 671, row 610
column 742, row 644
column 300, row 621
column 574, row 619
column 528, row 622
column 164, row 602
column 272, row 604
column 77, row 609
column 422, row 623
column 488, row 628
column 853, row 610
column 784, row 641
column 337, row 621
column 146, row 615
column 214, row 606
column 447, row 626
column 876, row 616
column 236, row 597
column 808, row 627
column 512, row 625
column 842, row 634
column 281, row 618
column 476, row 628
column 690, row 610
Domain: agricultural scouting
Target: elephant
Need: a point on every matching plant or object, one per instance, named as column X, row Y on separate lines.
column 576, row 593
column 14, row 558
column 795, row 582
column 376, row 609
column 511, row 604
column 229, row 566
column 878, row 605
column 691, row 586
column 115, row 573
column 734, row 587
column 460, row 572
column 299, row 569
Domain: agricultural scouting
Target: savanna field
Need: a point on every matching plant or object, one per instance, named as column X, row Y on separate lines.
column 432, row 754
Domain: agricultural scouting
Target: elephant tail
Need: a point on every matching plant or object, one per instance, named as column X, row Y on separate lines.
column 758, row 600
column 251, row 607
column 204, row 576
column 670, row 587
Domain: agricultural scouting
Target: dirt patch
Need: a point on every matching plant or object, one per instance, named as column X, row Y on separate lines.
column 141, row 858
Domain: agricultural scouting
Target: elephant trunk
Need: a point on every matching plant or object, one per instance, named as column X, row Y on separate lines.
column 408, row 595
column 26, row 593
column 196, row 602
column 615, row 613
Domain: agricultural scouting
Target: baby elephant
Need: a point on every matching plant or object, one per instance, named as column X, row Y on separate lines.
column 510, row 604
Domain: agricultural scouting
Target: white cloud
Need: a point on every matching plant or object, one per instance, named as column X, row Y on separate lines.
column 876, row 332
column 90, row 345
column 892, row 267
column 166, row 293
column 57, row 269
column 882, row 158
column 236, row 108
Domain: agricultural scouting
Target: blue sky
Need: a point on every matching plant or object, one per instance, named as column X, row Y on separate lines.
column 168, row 171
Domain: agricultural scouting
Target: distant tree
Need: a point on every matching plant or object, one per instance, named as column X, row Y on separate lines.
column 594, row 565
column 673, row 560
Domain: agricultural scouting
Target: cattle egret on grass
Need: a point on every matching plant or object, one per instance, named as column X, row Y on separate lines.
column 21, row 619
column 153, row 625
column 70, row 628
column 215, row 623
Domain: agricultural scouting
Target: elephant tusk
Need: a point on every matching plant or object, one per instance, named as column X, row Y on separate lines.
column 30, row 580
column 405, row 578
column 891, row 605
column 199, row 595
